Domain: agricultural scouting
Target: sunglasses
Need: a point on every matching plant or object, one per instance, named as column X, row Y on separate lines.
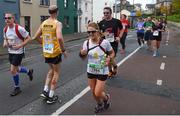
column 106, row 12
column 91, row 32
column 9, row 18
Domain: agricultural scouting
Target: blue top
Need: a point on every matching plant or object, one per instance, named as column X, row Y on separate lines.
column 139, row 27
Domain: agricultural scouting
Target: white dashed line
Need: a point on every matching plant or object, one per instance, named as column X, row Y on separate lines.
column 159, row 82
column 164, row 56
column 78, row 96
column 162, row 67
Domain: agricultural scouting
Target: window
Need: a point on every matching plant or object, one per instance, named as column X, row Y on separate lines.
column 66, row 21
column 27, row 21
column 45, row 2
column 10, row 0
column 27, row 0
column 75, row 4
column 43, row 18
column 86, row 6
column 65, row 3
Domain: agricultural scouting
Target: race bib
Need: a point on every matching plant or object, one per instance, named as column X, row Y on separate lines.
column 48, row 48
column 110, row 37
column 155, row 33
column 95, row 68
column 48, row 44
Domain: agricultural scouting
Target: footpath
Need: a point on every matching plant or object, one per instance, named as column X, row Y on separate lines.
column 35, row 45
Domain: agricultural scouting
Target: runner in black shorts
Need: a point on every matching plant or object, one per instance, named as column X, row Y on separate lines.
column 99, row 53
column 156, row 37
column 15, row 38
column 112, row 29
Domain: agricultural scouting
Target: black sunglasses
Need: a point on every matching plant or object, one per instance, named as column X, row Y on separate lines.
column 106, row 12
column 8, row 18
column 91, row 32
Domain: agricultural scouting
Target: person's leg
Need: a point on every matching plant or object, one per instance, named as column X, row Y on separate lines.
column 56, row 73
column 45, row 93
column 122, row 41
column 14, row 72
column 92, row 84
column 99, row 91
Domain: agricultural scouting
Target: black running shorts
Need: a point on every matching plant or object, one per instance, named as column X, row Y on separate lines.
column 98, row 77
column 55, row 60
column 15, row 59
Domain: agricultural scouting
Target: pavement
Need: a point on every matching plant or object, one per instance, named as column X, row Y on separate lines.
column 35, row 45
column 144, row 85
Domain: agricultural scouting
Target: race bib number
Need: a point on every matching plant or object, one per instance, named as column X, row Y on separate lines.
column 95, row 68
column 48, row 48
column 155, row 33
column 110, row 37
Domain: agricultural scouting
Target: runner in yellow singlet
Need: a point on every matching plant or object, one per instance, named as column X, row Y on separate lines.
column 53, row 48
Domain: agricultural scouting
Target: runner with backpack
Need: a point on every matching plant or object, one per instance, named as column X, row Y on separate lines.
column 99, row 52
column 15, row 38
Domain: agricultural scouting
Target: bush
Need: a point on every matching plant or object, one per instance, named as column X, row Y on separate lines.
column 174, row 18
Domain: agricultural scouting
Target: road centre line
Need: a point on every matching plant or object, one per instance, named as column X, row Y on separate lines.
column 78, row 96
column 162, row 67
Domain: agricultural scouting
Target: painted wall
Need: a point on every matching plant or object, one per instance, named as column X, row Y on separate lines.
column 70, row 11
column 35, row 11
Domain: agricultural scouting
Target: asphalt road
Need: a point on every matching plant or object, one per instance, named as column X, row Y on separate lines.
column 73, row 78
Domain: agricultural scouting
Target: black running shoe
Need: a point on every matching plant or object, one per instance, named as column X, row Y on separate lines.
column 30, row 74
column 16, row 91
column 107, row 102
column 44, row 94
column 99, row 108
column 51, row 100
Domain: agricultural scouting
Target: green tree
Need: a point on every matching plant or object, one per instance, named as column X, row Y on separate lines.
column 176, row 6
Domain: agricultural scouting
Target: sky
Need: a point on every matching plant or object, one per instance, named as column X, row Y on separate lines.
column 98, row 6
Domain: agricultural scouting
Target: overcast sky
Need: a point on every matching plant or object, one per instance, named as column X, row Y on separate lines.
column 98, row 6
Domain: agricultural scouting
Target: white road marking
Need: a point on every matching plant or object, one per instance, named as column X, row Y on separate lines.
column 162, row 67
column 164, row 56
column 159, row 82
column 167, row 36
column 78, row 96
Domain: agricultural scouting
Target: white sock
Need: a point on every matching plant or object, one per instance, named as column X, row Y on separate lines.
column 51, row 93
column 46, row 88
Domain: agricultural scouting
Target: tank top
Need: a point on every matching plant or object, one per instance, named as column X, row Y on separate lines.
column 51, row 46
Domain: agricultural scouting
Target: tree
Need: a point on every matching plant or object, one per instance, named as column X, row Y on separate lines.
column 176, row 6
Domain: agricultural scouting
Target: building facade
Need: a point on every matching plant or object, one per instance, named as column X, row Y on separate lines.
column 85, row 7
column 68, row 15
column 33, row 12
column 8, row 6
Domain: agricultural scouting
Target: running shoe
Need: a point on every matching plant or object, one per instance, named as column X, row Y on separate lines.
column 16, row 91
column 122, row 51
column 99, row 108
column 51, row 100
column 44, row 94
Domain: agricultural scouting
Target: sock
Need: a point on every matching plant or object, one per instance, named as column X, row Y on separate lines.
column 51, row 93
column 16, row 80
column 46, row 88
column 23, row 70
